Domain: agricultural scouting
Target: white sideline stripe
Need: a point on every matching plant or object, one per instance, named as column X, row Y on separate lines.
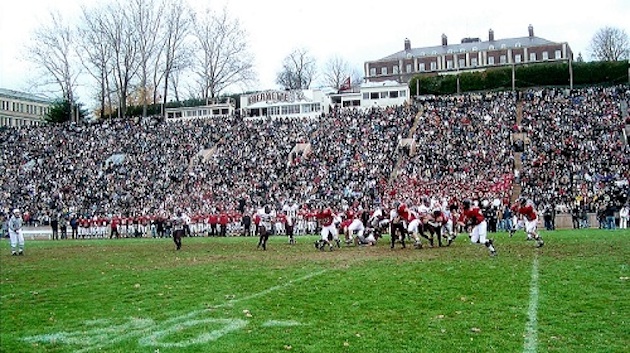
column 531, row 331
column 143, row 326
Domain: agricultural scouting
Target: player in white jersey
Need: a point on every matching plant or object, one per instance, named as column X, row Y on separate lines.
column 14, row 226
column 291, row 212
column 267, row 216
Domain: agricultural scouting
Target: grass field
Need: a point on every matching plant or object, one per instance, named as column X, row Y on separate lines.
column 223, row 295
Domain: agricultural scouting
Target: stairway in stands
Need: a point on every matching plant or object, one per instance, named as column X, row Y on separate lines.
column 518, row 164
column 412, row 146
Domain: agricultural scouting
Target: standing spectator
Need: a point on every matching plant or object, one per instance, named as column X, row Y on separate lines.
column 601, row 217
column 4, row 226
column 74, row 225
column 114, row 228
column 15, row 233
column 159, row 226
column 63, row 226
column 507, row 218
column 246, row 221
column 584, row 218
column 214, row 220
column 224, row 219
column 547, row 217
column 575, row 216
column 624, row 215
column 609, row 213
column 187, row 221
column 54, row 225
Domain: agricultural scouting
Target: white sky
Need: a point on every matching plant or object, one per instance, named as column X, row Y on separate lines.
column 357, row 30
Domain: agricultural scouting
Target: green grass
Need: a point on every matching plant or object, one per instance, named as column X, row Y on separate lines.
column 223, row 295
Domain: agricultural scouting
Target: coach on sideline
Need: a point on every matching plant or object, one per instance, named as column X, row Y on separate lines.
column 15, row 233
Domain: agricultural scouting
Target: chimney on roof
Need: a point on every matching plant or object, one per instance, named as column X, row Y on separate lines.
column 407, row 44
column 530, row 29
column 491, row 35
column 444, row 40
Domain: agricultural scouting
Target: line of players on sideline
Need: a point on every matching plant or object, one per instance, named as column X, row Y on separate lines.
column 427, row 221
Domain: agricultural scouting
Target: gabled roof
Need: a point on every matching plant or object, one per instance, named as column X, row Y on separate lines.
column 524, row 42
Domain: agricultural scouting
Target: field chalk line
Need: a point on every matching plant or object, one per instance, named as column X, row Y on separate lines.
column 531, row 329
column 139, row 327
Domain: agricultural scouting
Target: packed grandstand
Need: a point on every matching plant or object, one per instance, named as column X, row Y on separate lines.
column 556, row 146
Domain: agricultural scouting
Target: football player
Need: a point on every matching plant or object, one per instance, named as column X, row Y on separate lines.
column 526, row 209
column 267, row 216
column 472, row 218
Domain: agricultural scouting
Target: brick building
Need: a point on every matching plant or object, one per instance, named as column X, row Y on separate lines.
column 469, row 55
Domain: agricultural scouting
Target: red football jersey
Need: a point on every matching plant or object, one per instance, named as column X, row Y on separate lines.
column 325, row 217
column 528, row 211
column 473, row 215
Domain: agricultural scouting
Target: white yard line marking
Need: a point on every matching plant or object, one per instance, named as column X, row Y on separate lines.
column 60, row 288
column 269, row 290
column 531, row 329
column 151, row 333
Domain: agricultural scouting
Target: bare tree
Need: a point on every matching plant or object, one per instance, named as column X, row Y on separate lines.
column 610, row 44
column 53, row 51
column 298, row 70
column 337, row 71
column 96, row 52
column 176, row 48
column 146, row 17
column 223, row 54
column 119, row 31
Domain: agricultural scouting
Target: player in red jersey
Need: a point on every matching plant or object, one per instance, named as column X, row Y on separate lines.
column 530, row 220
column 343, row 228
column 471, row 217
column 329, row 232
column 356, row 225
column 398, row 224
column 114, row 227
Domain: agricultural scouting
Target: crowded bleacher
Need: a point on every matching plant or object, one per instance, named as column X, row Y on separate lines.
column 576, row 153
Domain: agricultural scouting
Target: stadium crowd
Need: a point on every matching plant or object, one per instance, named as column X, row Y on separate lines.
column 132, row 168
column 463, row 147
column 576, row 149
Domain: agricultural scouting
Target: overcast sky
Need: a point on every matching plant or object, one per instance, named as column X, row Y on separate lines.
column 355, row 30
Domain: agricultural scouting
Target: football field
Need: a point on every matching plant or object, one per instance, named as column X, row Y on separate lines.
column 224, row 295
